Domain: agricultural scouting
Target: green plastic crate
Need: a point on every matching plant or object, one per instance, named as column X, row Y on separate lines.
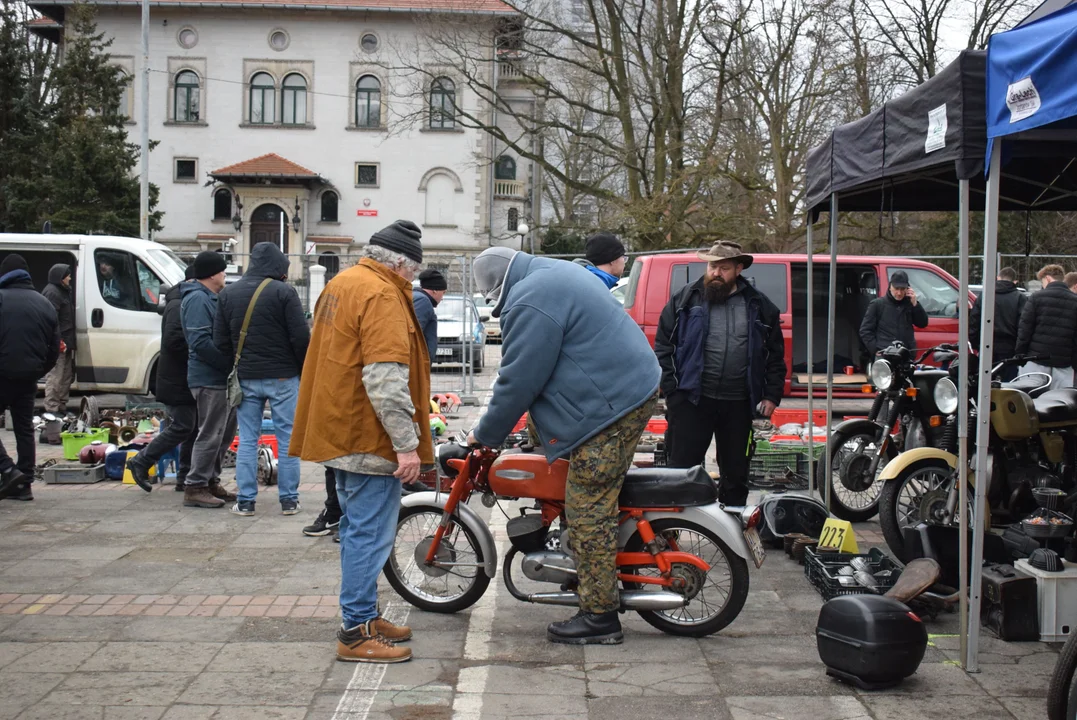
column 75, row 441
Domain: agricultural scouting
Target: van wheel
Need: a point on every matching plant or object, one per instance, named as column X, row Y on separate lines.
column 153, row 380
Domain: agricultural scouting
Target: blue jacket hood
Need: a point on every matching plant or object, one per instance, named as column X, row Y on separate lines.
column 13, row 277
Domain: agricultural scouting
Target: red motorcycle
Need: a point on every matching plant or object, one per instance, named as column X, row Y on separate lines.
column 682, row 557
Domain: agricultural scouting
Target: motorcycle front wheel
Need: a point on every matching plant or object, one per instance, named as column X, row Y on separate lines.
column 716, row 597
column 454, row 581
column 1062, row 693
column 918, row 494
column 853, row 495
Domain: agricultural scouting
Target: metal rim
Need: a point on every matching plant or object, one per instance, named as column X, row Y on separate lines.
column 437, row 584
column 860, row 444
column 712, row 590
column 925, row 482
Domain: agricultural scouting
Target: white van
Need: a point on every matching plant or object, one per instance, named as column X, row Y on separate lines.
column 117, row 282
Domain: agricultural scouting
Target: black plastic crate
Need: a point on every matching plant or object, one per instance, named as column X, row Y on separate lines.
column 821, row 569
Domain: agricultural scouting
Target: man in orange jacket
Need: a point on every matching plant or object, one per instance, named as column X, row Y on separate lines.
column 362, row 411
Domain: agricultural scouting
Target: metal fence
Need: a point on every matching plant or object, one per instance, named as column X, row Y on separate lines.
column 1026, row 265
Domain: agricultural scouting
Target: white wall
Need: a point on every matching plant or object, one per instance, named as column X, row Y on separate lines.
column 327, row 45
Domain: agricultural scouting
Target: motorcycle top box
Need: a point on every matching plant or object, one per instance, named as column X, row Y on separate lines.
column 870, row 641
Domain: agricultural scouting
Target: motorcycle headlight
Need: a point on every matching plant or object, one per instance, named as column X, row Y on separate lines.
column 946, row 396
column 882, row 375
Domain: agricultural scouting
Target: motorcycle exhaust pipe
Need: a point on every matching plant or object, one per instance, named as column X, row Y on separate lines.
column 630, row 600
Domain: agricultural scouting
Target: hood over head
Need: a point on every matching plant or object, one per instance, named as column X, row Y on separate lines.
column 58, row 272
column 268, row 261
column 489, row 270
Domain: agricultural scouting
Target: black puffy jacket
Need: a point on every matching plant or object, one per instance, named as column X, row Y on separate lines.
column 172, row 386
column 1049, row 326
column 278, row 335
column 888, row 320
column 1009, row 302
column 29, row 334
column 61, row 299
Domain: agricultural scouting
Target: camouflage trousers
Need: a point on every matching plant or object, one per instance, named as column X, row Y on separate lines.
column 595, row 476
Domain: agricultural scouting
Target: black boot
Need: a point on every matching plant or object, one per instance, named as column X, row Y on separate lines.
column 140, row 474
column 12, row 482
column 21, row 492
column 587, row 629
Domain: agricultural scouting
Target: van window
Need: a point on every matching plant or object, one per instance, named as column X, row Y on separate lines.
column 767, row 278
column 125, row 282
column 937, row 296
column 633, row 283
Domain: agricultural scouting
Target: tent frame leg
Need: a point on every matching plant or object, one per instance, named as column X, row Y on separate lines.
column 811, row 356
column 963, row 416
column 831, row 319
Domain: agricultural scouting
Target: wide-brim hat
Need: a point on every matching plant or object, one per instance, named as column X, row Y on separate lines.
column 724, row 250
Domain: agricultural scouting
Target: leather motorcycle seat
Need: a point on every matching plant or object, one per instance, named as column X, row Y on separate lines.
column 668, row 487
column 1057, row 406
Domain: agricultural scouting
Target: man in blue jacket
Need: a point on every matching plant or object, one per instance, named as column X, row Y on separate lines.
column 604, row 258
column 430, row 293
column 574, row 359
column 207, row 376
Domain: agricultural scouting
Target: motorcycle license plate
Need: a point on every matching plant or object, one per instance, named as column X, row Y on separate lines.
column 751, row 536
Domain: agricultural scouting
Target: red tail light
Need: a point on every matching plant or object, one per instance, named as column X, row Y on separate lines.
column 755, row 519
column 914, row 616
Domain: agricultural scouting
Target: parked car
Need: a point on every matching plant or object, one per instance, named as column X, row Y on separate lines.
column 783, row 278
column 493, row 327
column 618, row 291
column 452, row 327
column 119, row 338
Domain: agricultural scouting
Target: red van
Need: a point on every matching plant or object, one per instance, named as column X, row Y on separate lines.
column 783, row 278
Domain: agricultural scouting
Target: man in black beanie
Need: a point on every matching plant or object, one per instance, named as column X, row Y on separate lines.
column 402, row 237
column 29, row 346
column 605, row 257
column 431, row 291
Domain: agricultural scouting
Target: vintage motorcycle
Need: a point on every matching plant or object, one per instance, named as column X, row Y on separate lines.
column 1033, row 445
column 900, row 419
column 682, row 557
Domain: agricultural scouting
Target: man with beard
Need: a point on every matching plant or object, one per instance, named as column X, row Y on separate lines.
column 720, row 346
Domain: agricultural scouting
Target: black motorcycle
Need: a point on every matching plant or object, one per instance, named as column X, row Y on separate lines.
column 903, row 416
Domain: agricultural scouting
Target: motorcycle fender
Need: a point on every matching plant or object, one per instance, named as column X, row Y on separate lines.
column 468, row 517
column 855, row 427
column 713, row 517
column 895, row 467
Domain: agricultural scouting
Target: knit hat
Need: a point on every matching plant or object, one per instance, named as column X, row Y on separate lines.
column 604, row 247
column 403, row 237
column 13, row 262
column 432, row 280
column 188, row 274
column 208, row 263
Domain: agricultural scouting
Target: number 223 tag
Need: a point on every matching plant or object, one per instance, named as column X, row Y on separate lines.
column 838, row 536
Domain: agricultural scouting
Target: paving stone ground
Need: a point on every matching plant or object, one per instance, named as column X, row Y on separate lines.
column 117, row 604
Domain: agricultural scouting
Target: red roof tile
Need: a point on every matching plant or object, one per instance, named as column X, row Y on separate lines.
column 44, row 22
column 436, row 6
column 270, row 164
column 327, row 239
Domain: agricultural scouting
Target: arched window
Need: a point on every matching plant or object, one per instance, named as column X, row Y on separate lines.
column 442, row 104
column 331, row 262
column 368, row 102
column 513, row 219
column 262, row 99
column 222, row 204
column 186, row 97
column 505, row 169
column 294, row 100
column 329, row 206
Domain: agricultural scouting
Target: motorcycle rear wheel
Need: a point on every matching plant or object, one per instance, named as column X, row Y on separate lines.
column 845, row 449
column 1062, row 693
column 727, row 579
column 434, row 588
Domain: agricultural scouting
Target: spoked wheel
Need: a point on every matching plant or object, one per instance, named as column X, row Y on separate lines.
column 454, row 581
column 854, row 490
column 919, row 494
column 715, row 597
column 1062, row 694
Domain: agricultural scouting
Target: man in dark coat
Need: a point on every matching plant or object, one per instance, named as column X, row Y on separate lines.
column 273, row 352
column 1009, row 303
column 893, row 317
column 173, row 392
column 1048, row 328
column 29, row 346
column 431, row 291
column 58, row 381
column 720, row 346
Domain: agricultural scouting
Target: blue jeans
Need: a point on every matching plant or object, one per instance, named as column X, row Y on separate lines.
column 371, row 504
column 282, row 396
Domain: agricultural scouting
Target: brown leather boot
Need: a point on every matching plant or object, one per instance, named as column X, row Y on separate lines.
column 217, row 490
column 362, row 643
column 392, row 633
column 200, row 497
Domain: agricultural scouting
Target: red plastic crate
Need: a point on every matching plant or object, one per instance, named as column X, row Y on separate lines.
column 270, row 440
column 800, row 417
column 656, row 426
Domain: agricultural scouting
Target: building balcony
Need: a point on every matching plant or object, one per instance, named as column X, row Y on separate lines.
column 509, row 188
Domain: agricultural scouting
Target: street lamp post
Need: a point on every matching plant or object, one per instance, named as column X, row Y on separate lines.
column 523, row 229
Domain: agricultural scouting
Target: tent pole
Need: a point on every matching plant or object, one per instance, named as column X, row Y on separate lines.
column 982, row 466
column 963, row 413
column 830, row 320
column 811, row 358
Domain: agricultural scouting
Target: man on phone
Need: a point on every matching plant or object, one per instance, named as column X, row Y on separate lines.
column 892, row 317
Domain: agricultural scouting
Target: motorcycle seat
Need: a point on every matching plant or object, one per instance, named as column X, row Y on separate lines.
column 667, row 487
column 1057, row 406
